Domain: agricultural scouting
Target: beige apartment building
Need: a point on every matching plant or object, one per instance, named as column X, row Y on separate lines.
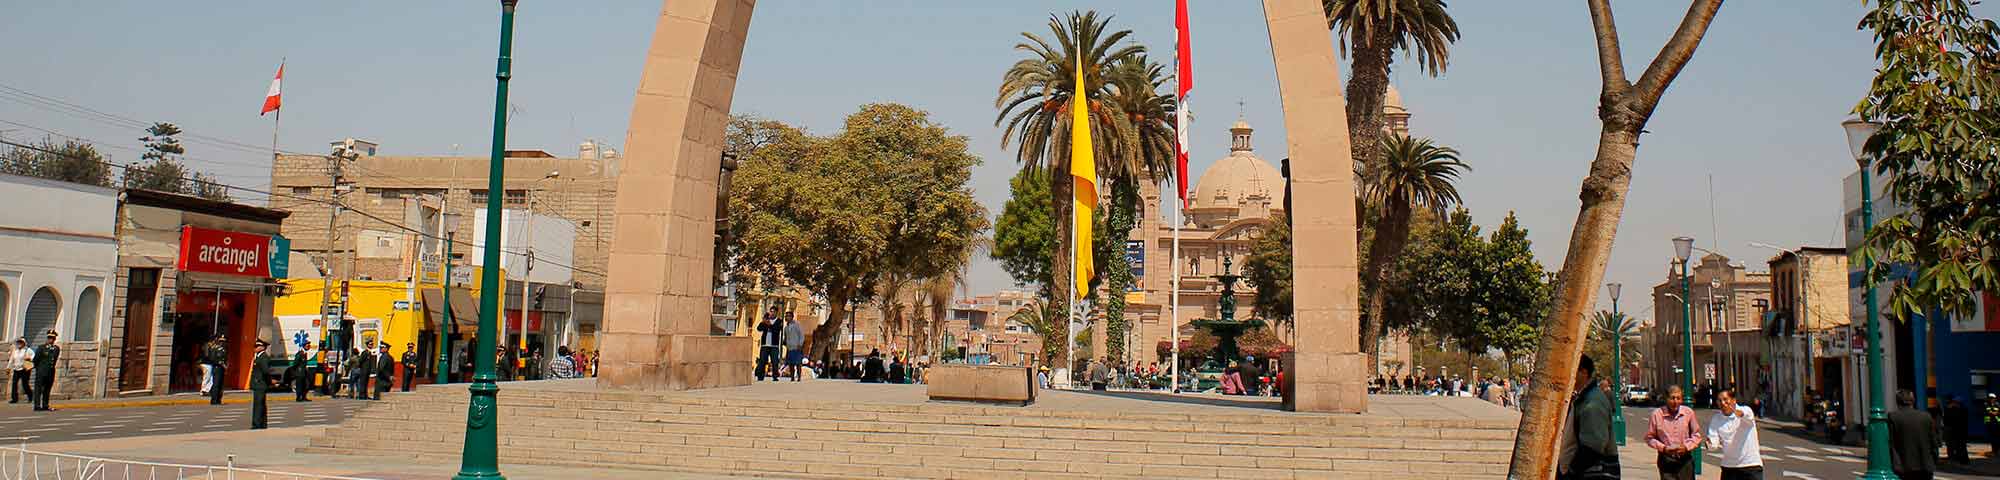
column 1809, row 309
column 1727, row 311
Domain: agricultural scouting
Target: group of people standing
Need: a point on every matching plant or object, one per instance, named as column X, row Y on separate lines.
column 780, row 337
column 34, row 371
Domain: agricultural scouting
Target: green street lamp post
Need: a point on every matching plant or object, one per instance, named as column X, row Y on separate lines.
column 444, row 329
column 1683, row 250
column 1858, row 132
column 1617, row 364
column 481, row 456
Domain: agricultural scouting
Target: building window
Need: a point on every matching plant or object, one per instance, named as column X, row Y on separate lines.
column 400, row 193
column 84, row 327
column 477, row 196
column 302, row 190
column 42, row 312
column 516, row 197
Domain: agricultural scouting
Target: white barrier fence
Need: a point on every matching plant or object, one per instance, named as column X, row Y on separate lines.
column 18, row 462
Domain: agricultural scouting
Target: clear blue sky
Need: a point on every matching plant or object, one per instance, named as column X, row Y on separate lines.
column 1758, row 108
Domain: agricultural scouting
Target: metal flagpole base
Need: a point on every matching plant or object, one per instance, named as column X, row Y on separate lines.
column 482, row 435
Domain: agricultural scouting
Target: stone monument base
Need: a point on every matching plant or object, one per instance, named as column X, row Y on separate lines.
column 981, row 383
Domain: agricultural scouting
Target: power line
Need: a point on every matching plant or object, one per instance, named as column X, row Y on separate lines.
column 96, row 143
column 87, row 113
column 334, row 203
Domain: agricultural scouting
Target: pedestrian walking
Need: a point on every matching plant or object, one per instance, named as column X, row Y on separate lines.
column 385, row 369
column 795, row 352
column 409, row 365
column 1253, row 376
column 562, row 366
column 1589, row 452
column 259, row 385
column 1671, row 431
column 1733, row 433
column 303, row 382
column 358, row 366
column 1100, row 373
column 502, row 367
column 770, row 342
column 217, row 358
column 46, row 356
column 1913, row 440
column 21, row 364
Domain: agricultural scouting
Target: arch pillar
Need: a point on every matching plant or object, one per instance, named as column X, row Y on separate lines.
column 1326, row 369
column 658, row 297
column 657, row 300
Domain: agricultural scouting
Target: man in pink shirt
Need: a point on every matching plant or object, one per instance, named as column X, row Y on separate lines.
column 1672, row 431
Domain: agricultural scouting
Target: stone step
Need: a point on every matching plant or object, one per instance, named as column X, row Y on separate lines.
column 841, row 439
column 915, row 464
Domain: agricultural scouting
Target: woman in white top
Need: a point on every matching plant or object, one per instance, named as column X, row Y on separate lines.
column 1733, row 433
column 20, row 362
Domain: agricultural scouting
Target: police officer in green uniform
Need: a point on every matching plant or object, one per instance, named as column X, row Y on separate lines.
column 45, row 372
column 259, row 384
column 217, row 356
column 1992, row 417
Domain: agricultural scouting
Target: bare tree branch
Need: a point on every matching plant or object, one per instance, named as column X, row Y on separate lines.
column 1676, row 53
column 1610, row 63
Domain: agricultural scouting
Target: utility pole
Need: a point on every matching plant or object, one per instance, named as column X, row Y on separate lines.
column 334, row 171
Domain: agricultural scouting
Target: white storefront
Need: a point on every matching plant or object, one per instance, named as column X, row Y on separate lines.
column 58, row 254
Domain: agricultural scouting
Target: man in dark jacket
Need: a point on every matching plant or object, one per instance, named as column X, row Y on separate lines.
column 385, row 369
column 217, row 357
column 301, row 363
column 769, row 344
column 1957, row 426
column 1595, row 450
column 259, row 385
column 360, row 367
column 1913, row 440
column 46, row 356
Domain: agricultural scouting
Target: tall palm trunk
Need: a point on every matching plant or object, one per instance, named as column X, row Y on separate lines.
column 1624, row 108
column 1392, row 233
column 1370, row 82
column 1062, row 272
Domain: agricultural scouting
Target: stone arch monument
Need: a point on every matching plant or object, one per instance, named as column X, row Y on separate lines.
column 656, row 315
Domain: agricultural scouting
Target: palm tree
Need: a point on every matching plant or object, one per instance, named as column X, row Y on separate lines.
column 1047, row 322
column 1370, row 32
column 1034, row 101
column 1144, row 122
column 1413, row 173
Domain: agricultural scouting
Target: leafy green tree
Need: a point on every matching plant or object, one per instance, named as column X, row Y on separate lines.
column 1047, row 323
column 163, row 170
column 1024, row 237
column 1371, row 31
column 1516, row 291
column 885, row 197
column 69, row 161
column 1412, row 174
column 1268, row 268
column 1936, row 96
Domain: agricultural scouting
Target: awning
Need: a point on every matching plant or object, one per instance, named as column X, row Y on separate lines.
column 464, row 308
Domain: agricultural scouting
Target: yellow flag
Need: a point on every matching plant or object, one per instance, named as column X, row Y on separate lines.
column 1083, row 169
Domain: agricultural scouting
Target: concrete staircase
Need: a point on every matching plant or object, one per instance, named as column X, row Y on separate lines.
column 828, row 437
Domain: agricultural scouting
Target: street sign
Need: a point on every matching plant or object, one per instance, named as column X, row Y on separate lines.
column 1708, row 371
column 332, row 310
column 461, row 277
column 402, row 305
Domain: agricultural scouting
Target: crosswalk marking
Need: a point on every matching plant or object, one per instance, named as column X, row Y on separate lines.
column 1798, row 449
column 1844, row 458
column 1804, row 476
column 1833, row 450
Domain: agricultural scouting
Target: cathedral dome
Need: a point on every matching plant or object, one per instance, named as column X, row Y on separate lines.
column 1239, row 176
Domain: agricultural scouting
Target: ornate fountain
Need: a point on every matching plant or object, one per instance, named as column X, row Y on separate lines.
column 1228, row 328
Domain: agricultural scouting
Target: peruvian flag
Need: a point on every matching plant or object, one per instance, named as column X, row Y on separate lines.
column 1183, row 82
column 272, row 98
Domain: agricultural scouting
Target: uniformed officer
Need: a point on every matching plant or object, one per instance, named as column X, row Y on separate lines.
column 385, row 369
column 45, row 372
column 301, row 362
column 409, row 365
column 259, row 384
column 218, row 359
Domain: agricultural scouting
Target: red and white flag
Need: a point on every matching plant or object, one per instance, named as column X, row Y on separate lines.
column 1183, row 82
column 272, row 99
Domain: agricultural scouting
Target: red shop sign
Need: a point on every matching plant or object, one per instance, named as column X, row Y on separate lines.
column 217, row 251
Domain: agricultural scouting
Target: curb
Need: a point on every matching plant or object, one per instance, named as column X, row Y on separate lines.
column 239, row 399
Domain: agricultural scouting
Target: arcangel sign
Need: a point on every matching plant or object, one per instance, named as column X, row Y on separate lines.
column 217, row 251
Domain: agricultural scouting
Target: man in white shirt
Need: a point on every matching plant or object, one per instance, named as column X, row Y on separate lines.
column 19, row 362
column 1733, row 433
